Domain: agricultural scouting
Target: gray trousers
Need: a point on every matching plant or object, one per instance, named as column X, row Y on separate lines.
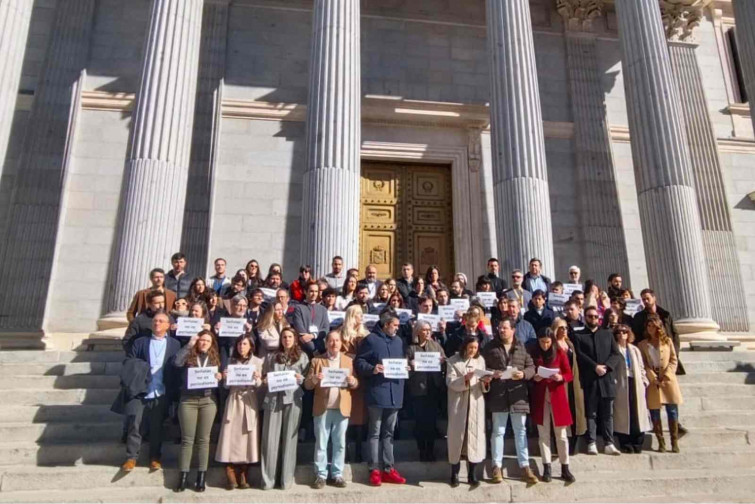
column 280, row 437
column 151, row 412
column 382, row 424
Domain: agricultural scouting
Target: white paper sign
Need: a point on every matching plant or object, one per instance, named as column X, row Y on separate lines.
column 487, row 299
column 378, row 307
column 188, row 326
column 633, row 306
column 395, row 368
column 336, row 318
column 570, row 288
column 433, row 320
column 459, row 304
column 240, row 375
column 334, row 377
column 447, row 313
column 557, row 299
column 268, row 293
column 427, row 361
column 404, row 315
column 201, row 377
column 546, row 372
column 281, row 381
column 482, row 373
column 369, row 320
column 231, row 327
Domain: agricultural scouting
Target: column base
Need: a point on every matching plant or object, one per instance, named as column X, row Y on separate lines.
column 31, row 340
column 699, row 330
column 113, row 320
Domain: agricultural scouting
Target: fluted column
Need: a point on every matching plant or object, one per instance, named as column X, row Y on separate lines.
column 663, row 169
column 330, row 209
column 605, row 248
column 32, row 220
column 744, row 17
column 724, row 272
column 157, row 167
column 204, row 145
column 520, row 176
column 14, row 28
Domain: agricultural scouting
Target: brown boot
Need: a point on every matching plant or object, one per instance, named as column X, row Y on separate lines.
column 658, row 429
column 243, row 471
column 230, row 474
column 528, row 476
column 673, row 426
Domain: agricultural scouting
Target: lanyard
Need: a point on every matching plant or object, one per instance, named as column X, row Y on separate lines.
column 202, row 364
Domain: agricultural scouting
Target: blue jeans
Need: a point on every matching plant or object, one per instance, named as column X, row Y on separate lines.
column 519, row 422
column 672, row 412
column 332, row 421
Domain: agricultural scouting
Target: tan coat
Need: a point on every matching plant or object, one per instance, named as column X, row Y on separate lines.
column 269, row 339
column 321, row 394
column 669, row 392
column 621, row 409
column 239, row 440
column 139, row 303
column 466, row 410
column 580, row 421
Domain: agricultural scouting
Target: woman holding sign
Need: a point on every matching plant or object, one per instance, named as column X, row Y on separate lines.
column 426, row 387
column 283, row 374
column 467, row 383
column 199, row 361
column 270, row 327
column 238, row 444
column 331, row 376
column 550, row 402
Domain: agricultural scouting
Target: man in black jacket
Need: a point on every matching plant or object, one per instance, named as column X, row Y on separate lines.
column 177, row 279
column 534, row 279
column 494, row 268
column 641, row 318
column 405, row 284
column 539, row 315
column 598, row 356
column 142, row 325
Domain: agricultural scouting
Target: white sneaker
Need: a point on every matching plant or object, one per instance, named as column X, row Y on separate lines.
column 592, row 449
column 610, row 449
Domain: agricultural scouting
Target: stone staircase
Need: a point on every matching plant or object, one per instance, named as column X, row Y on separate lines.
column 59, row 442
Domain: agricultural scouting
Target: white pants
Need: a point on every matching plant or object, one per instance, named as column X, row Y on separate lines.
column 544, row 433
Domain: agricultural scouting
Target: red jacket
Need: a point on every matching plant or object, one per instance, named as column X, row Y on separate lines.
column 296, row 289
column 559, row 397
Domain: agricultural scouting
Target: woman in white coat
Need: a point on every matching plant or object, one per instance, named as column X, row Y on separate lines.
column 631, row 419
column 466, row 410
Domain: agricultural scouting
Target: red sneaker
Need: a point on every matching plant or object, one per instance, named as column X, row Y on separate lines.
column 375, row 478
column 393, row 476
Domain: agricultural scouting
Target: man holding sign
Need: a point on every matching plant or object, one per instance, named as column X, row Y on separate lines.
column 332, row 378
column 384, row 396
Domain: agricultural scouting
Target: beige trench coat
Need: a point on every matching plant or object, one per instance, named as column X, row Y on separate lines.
column 239, row 440
column 669, row 392
column 621, row 410
column 580, row 421
column 466, row 410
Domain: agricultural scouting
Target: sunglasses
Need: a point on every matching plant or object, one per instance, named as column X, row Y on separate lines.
column 592, row 316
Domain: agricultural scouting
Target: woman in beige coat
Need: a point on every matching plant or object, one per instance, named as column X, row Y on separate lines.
column 269, row 328
column 573, row 388
column 630, row 413
column 660, row 365
column 466, row 410
column 238, row 443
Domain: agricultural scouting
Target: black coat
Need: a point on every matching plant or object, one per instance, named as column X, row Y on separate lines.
column 499, row 284
column 456, row 338
column 178, row 285
column 508, row 395
column 638, row 327
column 135, row 376
column 140, row 327
column 593, row 349
column 380, row 391
column 539, row 320
column 404, row 288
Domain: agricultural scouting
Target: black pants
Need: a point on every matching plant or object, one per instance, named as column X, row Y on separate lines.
column 426, row 412
column 597, row 406
column 152, row 413
column 635, row 438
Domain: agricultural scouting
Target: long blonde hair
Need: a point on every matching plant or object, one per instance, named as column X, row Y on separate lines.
column 267, row 319
column 660, row 331
column 348, row 333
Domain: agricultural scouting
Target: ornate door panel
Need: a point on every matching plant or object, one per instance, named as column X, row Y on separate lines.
column 406, row 217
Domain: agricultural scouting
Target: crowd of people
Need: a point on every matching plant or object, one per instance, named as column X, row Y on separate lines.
column 340, row 358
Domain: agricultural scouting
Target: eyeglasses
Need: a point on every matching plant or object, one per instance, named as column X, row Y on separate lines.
column 592, row 316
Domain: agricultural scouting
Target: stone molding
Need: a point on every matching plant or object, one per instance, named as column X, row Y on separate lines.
column 681, row 17
column 578, row 14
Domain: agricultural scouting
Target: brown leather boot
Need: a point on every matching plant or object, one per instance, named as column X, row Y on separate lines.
column 658, row 429
column 230, row 474
column 673, row 426
column 243, row 471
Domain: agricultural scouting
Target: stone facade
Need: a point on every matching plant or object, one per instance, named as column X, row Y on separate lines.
column 250, row 140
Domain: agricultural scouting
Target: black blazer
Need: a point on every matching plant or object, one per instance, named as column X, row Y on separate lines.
column 140, row 350
column 593, row 349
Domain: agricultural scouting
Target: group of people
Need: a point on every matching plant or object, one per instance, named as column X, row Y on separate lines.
column 342, row 357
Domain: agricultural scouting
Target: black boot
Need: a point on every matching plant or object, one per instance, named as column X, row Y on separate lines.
column 455, row 474
column 472, row 475
column 200, row 481
column 359, row 431
column 566, row 474
column 422, row 448
column 182, row 476
column 546, row 478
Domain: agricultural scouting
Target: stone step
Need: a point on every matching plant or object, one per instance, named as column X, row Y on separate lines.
column 77, row 381
column 60, row 413
column 717, row 404
column 36, row 356
column 732, row 377
column 720, row 390
column 61, row 432
column 59, row 369
column 738, row 355
column 718, row 366
column 713, row 419
column 107, row 484
column 55, row 397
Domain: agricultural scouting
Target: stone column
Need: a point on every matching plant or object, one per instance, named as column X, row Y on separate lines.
column 744, row 17
column 663, row 169
column 520, row 176
column 204, row 145
column 605, row 250
column 32, row 220
column 330, row 208
column 14, row 18
column 724, row 272
column 157, row 167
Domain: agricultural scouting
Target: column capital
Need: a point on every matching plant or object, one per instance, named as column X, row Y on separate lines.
column 681, row 17
column 578, row 14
